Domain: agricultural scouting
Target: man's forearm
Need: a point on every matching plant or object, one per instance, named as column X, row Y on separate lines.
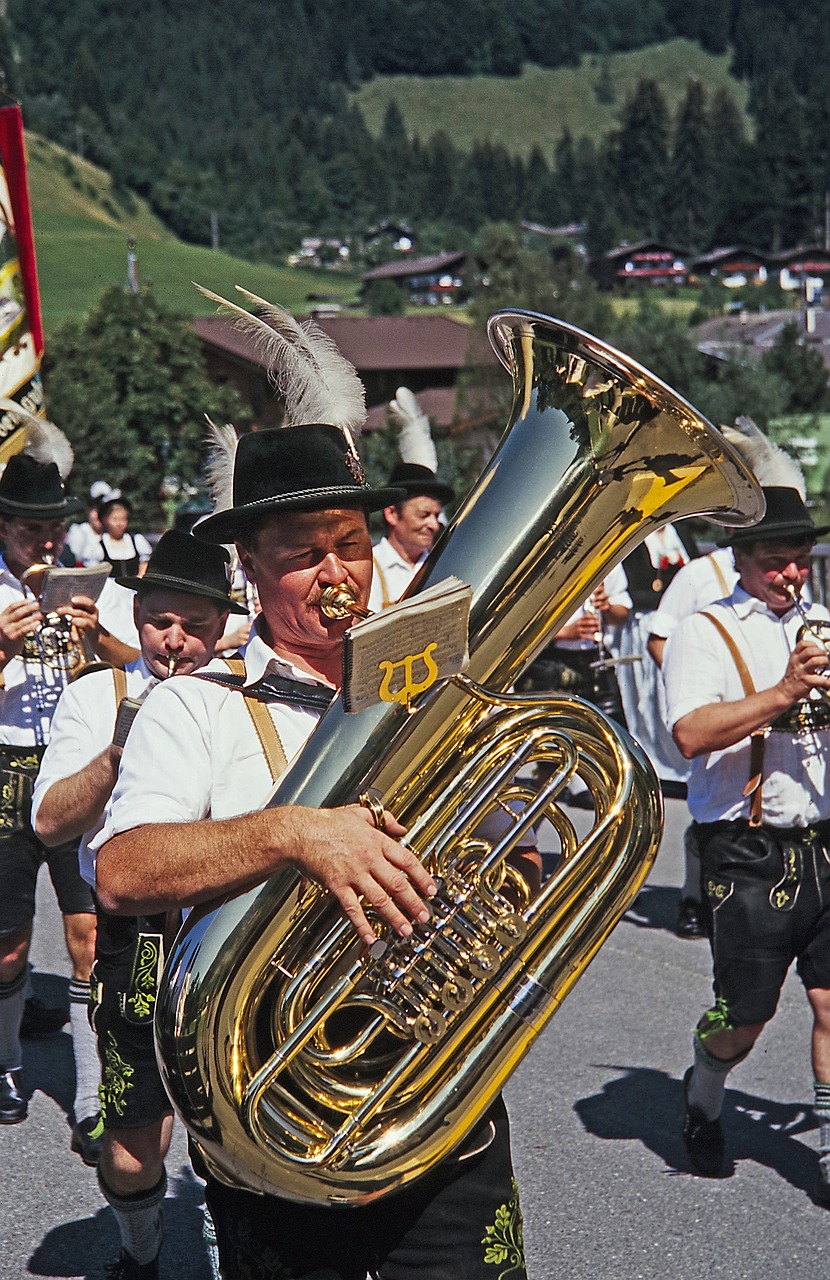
column 722, row 724
column 162, row 865
column 73, row 805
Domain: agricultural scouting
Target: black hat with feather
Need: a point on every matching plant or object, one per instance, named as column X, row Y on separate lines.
column 32, row 483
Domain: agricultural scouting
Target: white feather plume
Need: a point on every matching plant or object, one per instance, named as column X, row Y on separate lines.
column 770, row 463
column 317, row 383
column 219, row 466
column 415, row 440
column 44, row 441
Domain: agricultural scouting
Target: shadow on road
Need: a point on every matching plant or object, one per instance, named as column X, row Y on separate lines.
column 655, row 907
column 83, row 1247
column 48, row 1063
column 647, row 1105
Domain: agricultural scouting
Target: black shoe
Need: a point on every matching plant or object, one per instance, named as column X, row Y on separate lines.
column 703, row 1138
column 13, row 1106
column 821, row 1192
column 88, row 1139
column 689, row 923
column 125, row 1267
column 39, row 1020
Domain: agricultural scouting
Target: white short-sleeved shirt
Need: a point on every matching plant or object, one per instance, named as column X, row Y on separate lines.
column 391, row 576
column 698, row 584
column 84, row 543
column 193, row 752
column 700, row 671
column 616, row 588
column 31, row 689
column 81, row 728
column 132, row 544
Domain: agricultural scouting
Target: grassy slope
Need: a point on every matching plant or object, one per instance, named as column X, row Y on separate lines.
column 539, row 105
column 81, row 236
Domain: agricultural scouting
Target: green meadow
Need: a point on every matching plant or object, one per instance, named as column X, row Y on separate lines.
column 81, row 238
column 540, row 104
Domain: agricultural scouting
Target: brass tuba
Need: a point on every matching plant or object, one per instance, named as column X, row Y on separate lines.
column 304, row 1065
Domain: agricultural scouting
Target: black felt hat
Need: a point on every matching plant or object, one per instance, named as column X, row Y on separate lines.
column 180, row 563
column 786, row 519
column 305, row 468
column 34, row 491
column 417, row 479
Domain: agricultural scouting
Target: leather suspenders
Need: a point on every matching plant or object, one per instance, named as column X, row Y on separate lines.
column 266, row 730
column 757, row 737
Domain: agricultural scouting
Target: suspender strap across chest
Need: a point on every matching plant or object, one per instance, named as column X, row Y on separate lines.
column 266, row 730
column 758, row 736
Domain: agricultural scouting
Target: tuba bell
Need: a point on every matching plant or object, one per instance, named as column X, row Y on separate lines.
column 306, row 1066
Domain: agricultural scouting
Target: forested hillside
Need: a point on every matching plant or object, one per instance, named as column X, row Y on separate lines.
column 238, row 117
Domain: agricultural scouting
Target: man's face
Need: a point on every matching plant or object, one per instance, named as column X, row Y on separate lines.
column 29, row 542
column 768, row 569
column 176, row 624
column 292, row 558
column 413, row 527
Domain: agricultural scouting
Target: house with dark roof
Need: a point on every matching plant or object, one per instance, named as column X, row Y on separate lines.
column 425, row 281
column 650, row 262
column 734, row 266
column 423, row 352
column 796, row 266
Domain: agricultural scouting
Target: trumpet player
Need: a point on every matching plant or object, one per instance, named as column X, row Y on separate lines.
column 186, row 823
column 182, row 604
column 33, row 511
column 745, row 694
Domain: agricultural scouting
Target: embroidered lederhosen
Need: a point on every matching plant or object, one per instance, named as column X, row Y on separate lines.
column 764, row 888
column 18, row 770
column 129, row 957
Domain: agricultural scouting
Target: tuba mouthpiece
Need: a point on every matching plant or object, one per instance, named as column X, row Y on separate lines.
column 337, row 603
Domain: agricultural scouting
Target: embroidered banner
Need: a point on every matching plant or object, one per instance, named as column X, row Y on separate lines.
column 21, row 328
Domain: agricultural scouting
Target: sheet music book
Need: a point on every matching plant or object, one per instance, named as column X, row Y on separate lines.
column 60, row 585
column 402, row 651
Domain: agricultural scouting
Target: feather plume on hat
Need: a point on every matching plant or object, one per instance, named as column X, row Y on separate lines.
column 415, row 440
column 317, row 383
column 770, row 463
column 219, row 466
column 43, row 440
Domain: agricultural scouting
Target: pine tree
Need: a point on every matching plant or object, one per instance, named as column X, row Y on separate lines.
column 783, row 173
column 642, row 158
column 688, row 191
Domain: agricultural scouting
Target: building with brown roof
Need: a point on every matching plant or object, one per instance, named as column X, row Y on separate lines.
column 426, row 281
column 423, row 352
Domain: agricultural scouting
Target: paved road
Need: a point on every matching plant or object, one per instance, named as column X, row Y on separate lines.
column 606, row 1189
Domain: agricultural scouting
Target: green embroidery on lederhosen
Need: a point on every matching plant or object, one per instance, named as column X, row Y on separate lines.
column 249, row 1260
column 717, row 891
column 138, row 1003
column 116, row 1078
column 782, row 896
column 504, row 1239
column 17, row 776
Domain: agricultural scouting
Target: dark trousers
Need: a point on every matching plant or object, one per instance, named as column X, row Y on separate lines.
column 460, row 1222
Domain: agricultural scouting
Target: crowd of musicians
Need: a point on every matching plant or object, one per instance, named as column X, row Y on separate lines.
column 141, row 780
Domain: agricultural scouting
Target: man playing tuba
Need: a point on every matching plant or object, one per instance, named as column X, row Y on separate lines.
column 186, row 824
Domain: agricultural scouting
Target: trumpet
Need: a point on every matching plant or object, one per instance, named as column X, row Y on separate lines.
column 57, row 643
column 811, row 713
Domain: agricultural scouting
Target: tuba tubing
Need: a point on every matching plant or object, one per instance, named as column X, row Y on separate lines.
column 304, row 1066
